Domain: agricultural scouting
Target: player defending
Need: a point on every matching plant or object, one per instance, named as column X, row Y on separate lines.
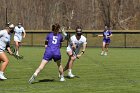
column 4, row 44
column 19, row 29
column 53, row 45
column 106, row 40
column 73, row 50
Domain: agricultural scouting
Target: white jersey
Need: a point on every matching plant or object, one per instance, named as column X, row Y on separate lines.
column 4, row 39
column 18, row 33
column 78, row 43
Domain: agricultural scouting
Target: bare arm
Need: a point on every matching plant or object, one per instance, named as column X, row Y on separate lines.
column 83, row 50
column 24, row 34
column 46, row 44
column 9, row 51
column 100, row 35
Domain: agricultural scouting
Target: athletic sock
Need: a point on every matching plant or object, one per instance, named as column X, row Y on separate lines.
column 69, row 70
column 1, row 72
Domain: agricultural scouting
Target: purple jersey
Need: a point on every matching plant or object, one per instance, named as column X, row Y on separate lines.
column 54, row 41
column 105, row 34
column 53, row 48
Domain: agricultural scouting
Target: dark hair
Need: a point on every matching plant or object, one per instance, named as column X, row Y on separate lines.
column 19, row 23
column 107, row 25
column 55, row 27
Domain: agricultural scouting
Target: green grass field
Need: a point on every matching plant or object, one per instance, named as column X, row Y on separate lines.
column 119, row 72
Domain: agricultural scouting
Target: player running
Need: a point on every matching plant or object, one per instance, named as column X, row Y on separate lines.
column 53, row 45
column 4, row 44
column 73, row 50
column 19, row 29
column 106, row 40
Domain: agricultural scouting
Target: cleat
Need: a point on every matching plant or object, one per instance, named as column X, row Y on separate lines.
column 105, row 54
column 102, row 53
column 31, row 80
column 2, row 76
column 62, row 79
column 71, row 75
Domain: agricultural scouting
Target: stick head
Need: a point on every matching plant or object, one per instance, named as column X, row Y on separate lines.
column 13, row 49
column 18, row 57
column 63, row 31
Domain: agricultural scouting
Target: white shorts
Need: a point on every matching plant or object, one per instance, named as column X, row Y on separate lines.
column 18, row 38
column 69, row 49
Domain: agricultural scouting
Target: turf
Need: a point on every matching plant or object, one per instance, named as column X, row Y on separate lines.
column 119, row 72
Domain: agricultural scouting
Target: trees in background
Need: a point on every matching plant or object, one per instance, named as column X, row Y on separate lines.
column 91, row 14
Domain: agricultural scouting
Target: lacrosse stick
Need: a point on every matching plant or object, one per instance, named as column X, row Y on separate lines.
column 13, row 50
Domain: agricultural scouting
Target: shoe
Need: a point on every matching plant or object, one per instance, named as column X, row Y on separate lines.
column 17, row 54
column 2, row 76
column 31, row 80
column 71, row 75
column 62, row 79
column 105, row 54
column 102, row 53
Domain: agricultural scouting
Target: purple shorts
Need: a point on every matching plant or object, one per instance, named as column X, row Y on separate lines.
column 107, row 41
column 51, row 54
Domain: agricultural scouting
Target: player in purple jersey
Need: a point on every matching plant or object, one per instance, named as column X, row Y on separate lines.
column 106, row 40
column 52, row 45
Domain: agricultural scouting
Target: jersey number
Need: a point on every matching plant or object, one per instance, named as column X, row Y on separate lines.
column 54, row 40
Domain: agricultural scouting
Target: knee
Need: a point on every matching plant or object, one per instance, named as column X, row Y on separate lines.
column 73, row 58
column 6, row 61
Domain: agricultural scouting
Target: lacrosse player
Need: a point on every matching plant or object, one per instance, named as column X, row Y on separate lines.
column 106, row 40
column 19, row 29
column 53, row 45
column 4, row 43
column 76, row 42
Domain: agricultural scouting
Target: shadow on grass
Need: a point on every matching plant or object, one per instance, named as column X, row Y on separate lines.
column 14, row 78
column 44, row 80
column 47, row 80
column 1, row 80
column 71, row 77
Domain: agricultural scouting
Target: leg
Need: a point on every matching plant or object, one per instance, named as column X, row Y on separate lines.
column 106, row 48
column 17, row 47
column 5, row 61
column 42, row 65
column 67, row 65
column 60, row 68
column 70, row 61
column 70, row 64
column 103, row 48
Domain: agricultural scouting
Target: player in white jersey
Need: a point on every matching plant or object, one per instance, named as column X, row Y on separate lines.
column 19, row 29
column 4, row 44
column 77, row 42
